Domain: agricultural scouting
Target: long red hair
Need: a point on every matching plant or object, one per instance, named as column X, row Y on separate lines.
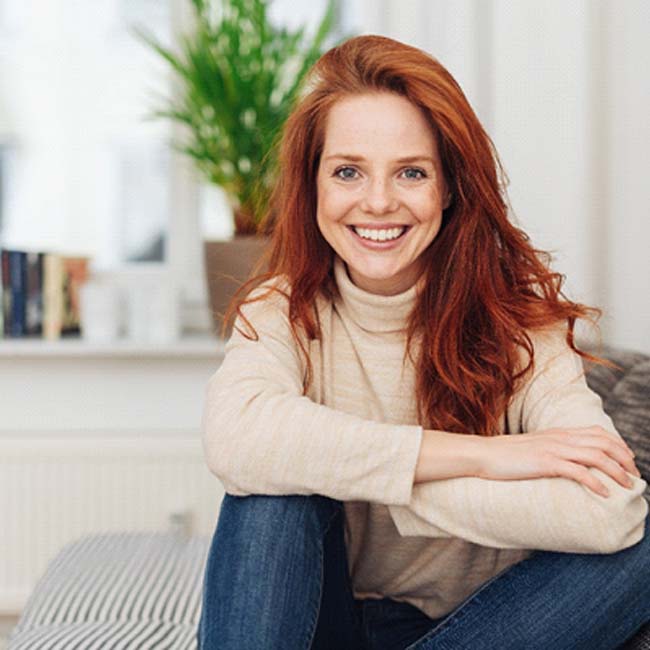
column 485, row 283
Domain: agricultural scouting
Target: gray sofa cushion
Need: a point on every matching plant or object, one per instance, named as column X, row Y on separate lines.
column 626, row 399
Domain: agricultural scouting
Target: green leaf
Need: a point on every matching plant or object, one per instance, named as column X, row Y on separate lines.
column 237, row 76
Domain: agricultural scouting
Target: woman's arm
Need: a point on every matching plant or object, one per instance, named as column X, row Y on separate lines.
column 546, row 513
column 262, row 436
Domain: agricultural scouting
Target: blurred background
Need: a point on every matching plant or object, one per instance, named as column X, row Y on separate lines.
column 562, row 88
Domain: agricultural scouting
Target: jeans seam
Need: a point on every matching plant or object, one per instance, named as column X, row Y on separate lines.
column 349, row 597
column 314, row 622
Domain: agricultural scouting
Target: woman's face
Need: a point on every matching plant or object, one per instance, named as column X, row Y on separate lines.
column 381, row 190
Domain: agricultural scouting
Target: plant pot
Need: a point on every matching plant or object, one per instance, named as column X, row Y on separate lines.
column 228, row 264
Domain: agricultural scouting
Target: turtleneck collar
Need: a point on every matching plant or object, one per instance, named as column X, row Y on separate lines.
column 370, row 311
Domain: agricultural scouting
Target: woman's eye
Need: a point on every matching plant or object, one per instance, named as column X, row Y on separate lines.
column 414, row 173
column 345, row 173
column 350, row 173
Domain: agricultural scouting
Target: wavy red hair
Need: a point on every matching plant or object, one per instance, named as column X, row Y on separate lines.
column 485, row 283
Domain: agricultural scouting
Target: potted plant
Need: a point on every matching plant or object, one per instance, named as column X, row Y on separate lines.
column 239, row 75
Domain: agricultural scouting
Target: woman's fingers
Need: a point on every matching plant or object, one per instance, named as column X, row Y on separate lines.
column 609, row 445
column 613, row 466
column 610, row 449
column 612, row 439
column 582, row 475
column 587, row 435
column 623, row 458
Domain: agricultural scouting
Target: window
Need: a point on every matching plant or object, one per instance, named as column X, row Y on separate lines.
column 83, row 171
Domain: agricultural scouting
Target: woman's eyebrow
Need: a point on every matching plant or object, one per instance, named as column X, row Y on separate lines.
column 406, row 159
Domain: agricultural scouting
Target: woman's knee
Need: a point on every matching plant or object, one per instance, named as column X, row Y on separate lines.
column 265, row 564
column 272, row 515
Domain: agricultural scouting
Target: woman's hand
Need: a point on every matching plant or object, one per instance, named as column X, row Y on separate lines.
column 566, row 452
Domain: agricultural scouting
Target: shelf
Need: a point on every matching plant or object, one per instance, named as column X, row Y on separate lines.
column 187, row 347
column 106, row 432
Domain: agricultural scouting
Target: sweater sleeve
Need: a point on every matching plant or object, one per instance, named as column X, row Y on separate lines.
column 554, row 513
column 261, row 435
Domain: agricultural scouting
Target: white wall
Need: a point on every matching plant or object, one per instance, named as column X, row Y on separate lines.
column 542, row 119
column 563, row 89
column 626, row 159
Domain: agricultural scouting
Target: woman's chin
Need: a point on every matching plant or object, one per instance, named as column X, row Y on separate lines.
column 382, row 280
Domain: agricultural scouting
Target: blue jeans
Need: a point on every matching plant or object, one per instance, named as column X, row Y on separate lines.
column 277, row 577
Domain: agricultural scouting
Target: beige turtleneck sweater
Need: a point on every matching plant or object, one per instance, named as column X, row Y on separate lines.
column 355, row 437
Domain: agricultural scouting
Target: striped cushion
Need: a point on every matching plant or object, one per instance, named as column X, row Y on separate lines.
column 122, row 590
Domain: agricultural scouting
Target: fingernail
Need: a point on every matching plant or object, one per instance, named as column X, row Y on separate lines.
column 605, row 492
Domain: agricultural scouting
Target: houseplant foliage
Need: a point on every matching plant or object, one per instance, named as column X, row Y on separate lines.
column 239, row 75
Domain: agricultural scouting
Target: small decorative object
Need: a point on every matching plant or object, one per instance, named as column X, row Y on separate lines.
column 100, row 304
column 152, row 307
column 239, row 75
column 164, row 326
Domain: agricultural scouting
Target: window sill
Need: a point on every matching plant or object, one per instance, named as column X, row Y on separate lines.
column 186, row 347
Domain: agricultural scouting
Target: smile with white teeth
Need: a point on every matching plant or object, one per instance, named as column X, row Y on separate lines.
column 375, row 234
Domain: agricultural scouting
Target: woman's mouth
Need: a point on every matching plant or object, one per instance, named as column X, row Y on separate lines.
column 379, row 238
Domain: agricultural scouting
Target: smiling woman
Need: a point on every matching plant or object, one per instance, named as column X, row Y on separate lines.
column 376, row 209
column 401, row 420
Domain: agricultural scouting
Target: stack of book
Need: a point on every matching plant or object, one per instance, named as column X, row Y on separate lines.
column 40, row 293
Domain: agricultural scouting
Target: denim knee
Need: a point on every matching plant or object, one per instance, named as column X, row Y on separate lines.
column 265, row 566
column 267, row 515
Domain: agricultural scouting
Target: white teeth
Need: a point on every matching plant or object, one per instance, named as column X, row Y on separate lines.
column 379, row 235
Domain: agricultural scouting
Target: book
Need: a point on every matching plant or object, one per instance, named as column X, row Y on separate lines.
column 21, row 293
column 34, row 294
column 16, row 267
column 75, row 273
column 6, row 292
column 63, row 277
column 52, row 296
column 40, row 293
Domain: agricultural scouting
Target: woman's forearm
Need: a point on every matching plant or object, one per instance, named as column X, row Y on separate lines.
column 446, row 455
column 552, row 513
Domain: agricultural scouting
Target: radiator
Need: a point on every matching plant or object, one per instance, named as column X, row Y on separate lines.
column 56, row 487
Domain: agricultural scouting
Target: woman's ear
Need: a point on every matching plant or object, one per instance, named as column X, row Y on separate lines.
column 447, row 200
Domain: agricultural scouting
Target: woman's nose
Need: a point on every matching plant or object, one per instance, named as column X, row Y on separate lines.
column 379, row 198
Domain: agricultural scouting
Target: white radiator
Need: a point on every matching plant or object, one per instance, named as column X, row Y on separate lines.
column 56, row 487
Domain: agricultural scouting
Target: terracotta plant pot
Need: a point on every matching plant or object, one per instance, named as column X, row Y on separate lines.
column 228, row 264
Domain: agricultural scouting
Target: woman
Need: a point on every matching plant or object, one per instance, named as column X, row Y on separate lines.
column 401, row 309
